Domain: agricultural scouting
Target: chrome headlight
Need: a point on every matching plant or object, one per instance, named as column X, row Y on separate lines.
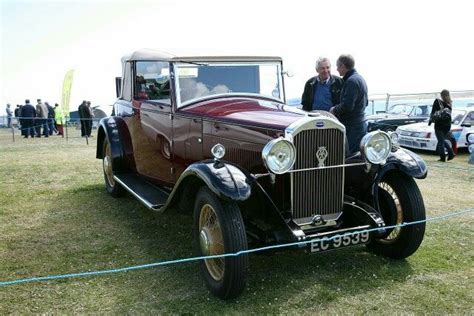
column 279, row 155
column 376, row 146
column 394, row 137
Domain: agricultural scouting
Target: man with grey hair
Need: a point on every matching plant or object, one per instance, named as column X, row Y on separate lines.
column 354, row 99
column 322, row 91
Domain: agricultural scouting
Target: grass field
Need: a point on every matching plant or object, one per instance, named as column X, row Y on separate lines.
column 56, row 218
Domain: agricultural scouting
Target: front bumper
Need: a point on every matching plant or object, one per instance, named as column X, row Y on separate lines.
column 348, row 229
column 417, row 143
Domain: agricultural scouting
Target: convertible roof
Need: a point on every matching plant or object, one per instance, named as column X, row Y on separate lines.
column 153, row 55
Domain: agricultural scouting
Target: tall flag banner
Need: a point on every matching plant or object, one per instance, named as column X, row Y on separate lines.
column 66, row 95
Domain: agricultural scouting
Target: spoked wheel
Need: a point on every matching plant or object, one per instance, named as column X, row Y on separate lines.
column 400, row 202
column 113, row 188
column 219, row 229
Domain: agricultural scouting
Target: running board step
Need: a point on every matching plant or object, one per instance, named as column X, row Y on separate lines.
column 153, row 197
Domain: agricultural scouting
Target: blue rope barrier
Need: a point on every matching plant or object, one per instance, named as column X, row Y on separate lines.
column 184, row 260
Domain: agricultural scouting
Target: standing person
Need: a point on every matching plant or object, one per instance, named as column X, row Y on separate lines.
column 58, row 118
column 91, row 113
column 323, row 91
column 442, row 125
column 18, row 117
column 9, row 116
column 354, row 99
column 42, row 115
column 84, row 115
column 51, row 126
column 28, row 114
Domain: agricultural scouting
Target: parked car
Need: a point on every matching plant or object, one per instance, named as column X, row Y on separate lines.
column 214, row 138
column 399, row 114
column 422, row 136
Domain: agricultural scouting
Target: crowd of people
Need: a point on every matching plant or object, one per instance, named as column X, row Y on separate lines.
column 46, row 120
column 40, row 120
column 347, row 98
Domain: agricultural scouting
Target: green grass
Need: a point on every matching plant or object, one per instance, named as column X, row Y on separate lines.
column 56, row 218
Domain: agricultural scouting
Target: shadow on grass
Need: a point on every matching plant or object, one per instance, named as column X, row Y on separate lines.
column 94, row 231
column 169, row 236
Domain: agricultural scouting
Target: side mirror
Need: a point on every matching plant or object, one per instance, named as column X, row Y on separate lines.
column 118, row 86
column 288, row 73
column 466, row 125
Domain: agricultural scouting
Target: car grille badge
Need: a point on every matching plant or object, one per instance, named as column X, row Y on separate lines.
column 321, row 154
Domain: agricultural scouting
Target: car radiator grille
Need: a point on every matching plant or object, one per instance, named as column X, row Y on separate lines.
column 318, row 191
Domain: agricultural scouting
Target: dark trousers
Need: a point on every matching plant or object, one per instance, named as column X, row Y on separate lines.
column 51, row 126
column 86, row 127
column 42, row 123
column 354, row 136
column 9, row 121
column 27, row 128
column 443, row 143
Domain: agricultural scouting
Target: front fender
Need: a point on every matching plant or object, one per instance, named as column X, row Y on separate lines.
column 403, row 160
column 406, row 161
column 229, row 182
column 226, row 180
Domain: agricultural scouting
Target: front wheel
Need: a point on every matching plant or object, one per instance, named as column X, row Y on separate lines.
column 219, row 229
column 400, row 202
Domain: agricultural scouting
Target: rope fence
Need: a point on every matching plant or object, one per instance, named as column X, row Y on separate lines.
column 239, row 253
column 69, row 129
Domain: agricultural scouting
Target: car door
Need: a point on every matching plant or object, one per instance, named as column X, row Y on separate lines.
column 152, row 139
column 188, row 140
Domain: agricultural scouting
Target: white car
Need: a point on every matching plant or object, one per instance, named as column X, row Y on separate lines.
column 422, row 136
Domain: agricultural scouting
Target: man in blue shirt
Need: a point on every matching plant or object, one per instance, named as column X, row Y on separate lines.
column 322, row 91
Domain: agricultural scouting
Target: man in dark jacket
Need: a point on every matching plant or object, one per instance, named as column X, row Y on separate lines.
column 354, row 99
column 85, row 116
column 28, row 114
column 18, row 117
column 51, row 127
column 322, row 91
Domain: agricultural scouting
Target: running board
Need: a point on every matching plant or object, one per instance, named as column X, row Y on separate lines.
column 153, row 197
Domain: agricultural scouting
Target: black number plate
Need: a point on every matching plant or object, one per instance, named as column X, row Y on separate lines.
column 327, row 243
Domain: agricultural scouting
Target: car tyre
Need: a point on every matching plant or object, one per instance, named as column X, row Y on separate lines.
column 400, row 202
column 113, row 188
column 219, row 229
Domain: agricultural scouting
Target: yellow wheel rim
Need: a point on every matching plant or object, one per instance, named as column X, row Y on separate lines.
column 211, row 241
column 395, row 233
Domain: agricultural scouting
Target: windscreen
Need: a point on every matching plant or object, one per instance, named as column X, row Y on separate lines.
column 196, row 81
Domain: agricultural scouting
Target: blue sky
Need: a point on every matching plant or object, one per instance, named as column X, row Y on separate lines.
column 399, row 46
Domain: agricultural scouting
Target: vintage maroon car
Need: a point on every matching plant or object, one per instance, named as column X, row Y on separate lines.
column 212, row 136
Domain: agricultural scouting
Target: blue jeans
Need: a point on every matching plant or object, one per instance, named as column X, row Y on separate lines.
column 443, row 143
column 354, row 135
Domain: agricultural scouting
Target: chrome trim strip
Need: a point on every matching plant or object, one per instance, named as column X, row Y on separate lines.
column 339, row 231
column 330, row 167
column 145, row 202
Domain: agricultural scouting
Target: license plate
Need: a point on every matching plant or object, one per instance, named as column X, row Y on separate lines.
column 328, row 243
